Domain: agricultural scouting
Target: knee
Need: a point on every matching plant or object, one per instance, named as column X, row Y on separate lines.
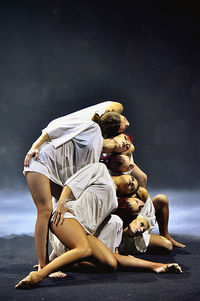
column 85, row 251
column 162, row 200
column 167, row 244
column 111, row 264
column 45, row 211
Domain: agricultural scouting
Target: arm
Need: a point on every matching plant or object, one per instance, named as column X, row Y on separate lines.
column 115, row 107
column 34, row 150
column 61, row 207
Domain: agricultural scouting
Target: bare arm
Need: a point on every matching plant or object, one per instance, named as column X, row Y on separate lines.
column 115, row 107
column 34, row 150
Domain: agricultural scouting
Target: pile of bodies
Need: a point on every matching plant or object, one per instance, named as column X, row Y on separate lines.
column 91, row 196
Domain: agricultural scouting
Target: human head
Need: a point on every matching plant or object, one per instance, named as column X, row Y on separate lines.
column 138, row 225
column 128, row 209
column 127, row 185
column 111, row 123
column 129, row 151
column 120, row 163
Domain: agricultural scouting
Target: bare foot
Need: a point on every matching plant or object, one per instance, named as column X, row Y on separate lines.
column 30, row 280
column 175, row 243
column 168, row 268
column 58, row 274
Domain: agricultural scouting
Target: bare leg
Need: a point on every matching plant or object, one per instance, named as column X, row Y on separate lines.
column 39, row 186
column 161, row 205
column 131, row 262
column 72, row 235
column 158, row 241
column 140, row 176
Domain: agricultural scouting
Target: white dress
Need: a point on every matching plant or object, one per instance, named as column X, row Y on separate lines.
column 140, row 243
column 71, row 147
column 93, row 200
column 75, row 141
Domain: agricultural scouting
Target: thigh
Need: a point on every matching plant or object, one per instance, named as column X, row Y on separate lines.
column 55, row 190
column 100, row 251
column 71, row 233
column 40, row 189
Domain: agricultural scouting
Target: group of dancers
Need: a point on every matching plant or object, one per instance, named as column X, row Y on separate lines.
column 91, row 198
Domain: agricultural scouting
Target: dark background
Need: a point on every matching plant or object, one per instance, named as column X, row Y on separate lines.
column 59, row 56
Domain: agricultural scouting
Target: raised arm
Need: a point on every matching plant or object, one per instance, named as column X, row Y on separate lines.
column 115, row 107
column 34, row 150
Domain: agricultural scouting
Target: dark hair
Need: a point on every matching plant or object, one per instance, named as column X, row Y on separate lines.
column 113, row 161
column 109, row 123
column 124, row 211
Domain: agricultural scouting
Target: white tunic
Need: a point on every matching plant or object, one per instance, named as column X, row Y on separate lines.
column 140, row 243
column 94, row 199
column 72, row 146
column 75, row 141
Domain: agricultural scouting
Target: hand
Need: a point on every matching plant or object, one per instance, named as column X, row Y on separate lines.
column 121, row 144
column 34, row 151
column 58, row 216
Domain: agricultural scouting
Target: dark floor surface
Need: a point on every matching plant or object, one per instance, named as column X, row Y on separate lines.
column 17, row 255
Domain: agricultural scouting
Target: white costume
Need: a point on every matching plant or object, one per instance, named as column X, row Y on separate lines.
column 75, row 141
column 140, row 243
column 94, row 198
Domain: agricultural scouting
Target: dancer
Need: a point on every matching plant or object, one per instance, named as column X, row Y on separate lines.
column 152, row 210
column 65, row 146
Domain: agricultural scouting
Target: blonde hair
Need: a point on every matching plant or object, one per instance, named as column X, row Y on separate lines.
column 109, row 123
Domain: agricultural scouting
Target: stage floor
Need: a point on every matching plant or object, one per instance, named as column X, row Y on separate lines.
column 17, row 256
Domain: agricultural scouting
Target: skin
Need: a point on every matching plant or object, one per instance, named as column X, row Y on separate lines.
column 41, row 190
column 124, row 124
column 125, row 184
column 82, row 246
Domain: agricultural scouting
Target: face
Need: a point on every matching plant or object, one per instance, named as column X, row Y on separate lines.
column 127, row 185
column 138, row 226
column 127, row 165
column 122, row 142
column 124, row 124
column 135, row 204
column 129, row 151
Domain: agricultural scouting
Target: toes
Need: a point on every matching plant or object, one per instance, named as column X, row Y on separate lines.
column 57, row 275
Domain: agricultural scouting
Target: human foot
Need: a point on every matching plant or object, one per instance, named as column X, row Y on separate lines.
column 175, row 243
column 58, row 274
column 30, row 280
column 168, row 268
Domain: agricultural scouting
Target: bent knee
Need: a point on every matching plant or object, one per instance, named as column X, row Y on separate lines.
column 167, row 244
column 85, row 251
column 161, row 199
column 111, row 264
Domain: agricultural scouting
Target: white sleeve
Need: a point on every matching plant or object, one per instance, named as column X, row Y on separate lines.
column 61, row 130
column 85, row 177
